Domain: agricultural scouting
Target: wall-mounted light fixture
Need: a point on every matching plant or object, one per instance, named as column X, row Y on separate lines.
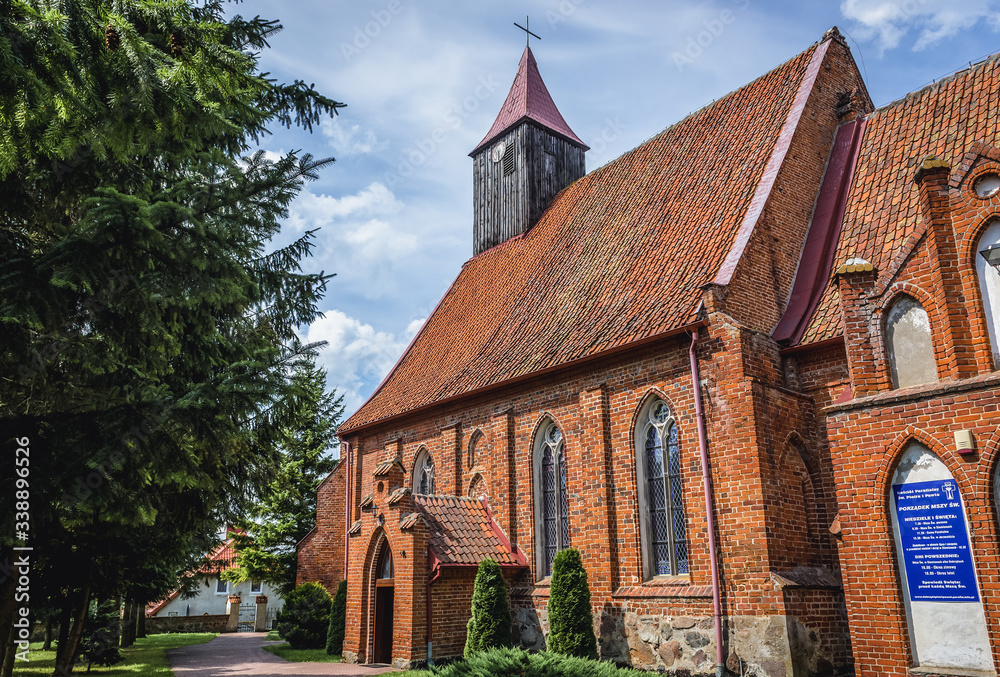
column 992, row 255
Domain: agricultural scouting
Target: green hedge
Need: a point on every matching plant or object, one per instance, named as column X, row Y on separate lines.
column 519, row 663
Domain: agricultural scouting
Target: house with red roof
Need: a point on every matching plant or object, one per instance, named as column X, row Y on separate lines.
column 213, row 592
column 748, row 369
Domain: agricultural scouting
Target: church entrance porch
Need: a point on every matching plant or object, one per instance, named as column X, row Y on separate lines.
column 383, row 606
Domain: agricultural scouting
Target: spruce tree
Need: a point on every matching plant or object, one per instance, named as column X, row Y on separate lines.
column 489, row 626
column 571, row 620
column 147, row 320
column 338, row 621
column 286, row 511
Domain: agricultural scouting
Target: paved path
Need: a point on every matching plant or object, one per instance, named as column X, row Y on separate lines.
column 240, row 653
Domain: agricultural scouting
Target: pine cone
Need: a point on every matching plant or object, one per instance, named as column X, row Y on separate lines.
column 111, row 38
column 177, row 45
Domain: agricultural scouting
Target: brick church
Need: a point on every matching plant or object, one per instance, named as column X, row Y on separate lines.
column 748, row 369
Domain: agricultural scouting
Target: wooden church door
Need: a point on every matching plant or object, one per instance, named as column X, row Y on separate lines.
column 384, row 598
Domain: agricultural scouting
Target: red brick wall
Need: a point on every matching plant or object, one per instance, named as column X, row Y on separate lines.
column 321, row 553
column 868, row 434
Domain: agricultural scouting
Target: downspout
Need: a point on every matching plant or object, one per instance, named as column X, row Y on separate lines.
column 720, row 663
column 347, row 504
column 430, row 609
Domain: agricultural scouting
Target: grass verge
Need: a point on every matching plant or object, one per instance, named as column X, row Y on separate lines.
column 146, row 657
column 301, row 655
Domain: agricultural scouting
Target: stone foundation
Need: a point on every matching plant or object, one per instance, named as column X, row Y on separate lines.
column 757, row 646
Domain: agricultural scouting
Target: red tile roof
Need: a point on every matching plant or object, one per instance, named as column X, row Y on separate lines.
column 463, row 532
column 883, row 218
column 529, row 99
column 619, row 257
column 220, row 559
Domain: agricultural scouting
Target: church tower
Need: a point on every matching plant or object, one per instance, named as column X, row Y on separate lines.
column 528, row 156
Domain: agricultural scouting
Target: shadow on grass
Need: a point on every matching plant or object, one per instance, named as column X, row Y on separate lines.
column 146, row 657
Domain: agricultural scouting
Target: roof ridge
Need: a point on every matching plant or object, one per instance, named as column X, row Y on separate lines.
column 917, row 93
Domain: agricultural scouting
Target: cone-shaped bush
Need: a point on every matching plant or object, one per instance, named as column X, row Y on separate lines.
column 338, row 621
column 305, row 618
column 571, row 621
column 489, row 626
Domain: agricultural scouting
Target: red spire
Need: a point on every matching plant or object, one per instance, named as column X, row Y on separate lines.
column 529, row 99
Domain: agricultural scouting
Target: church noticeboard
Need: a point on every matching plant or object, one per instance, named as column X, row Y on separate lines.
column 935, row 542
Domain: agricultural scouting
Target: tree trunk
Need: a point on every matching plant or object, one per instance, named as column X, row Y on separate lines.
column 128, row 622
column 48, row 634
column 67, row 653
column 116, row 628
column 141, row 625
column 7, row 605
column 64, row 619
column 7, row 664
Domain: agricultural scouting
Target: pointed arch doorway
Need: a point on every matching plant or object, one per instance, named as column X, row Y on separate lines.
column 384, row 602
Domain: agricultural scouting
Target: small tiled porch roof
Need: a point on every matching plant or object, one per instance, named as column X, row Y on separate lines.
column 464, row 533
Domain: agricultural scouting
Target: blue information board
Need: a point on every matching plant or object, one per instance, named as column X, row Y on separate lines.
column 935, row 542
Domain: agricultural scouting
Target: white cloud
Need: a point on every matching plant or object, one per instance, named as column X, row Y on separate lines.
column 357, row 357
column 348, row 139
column 887, row 21
column 310, row 210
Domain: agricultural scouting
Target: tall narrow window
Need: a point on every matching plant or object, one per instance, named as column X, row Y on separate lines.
column 551, row 507
column 989, row 286
column 423, row 473
column 911, row 350
column 474, row 444
column 662, row 521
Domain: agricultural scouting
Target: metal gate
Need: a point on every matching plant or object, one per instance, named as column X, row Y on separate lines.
column 271, row 622
column 248, row 616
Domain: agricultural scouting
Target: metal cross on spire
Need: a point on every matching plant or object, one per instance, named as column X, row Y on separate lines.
column 527, row 33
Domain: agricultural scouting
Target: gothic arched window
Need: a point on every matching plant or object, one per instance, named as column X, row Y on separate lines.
column 474, row 444
column 911, row 350
column 423, row 473
column 551, row 513
column 989, row 286
column 662, row 522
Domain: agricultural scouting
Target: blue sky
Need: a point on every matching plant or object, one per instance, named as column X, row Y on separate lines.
column 424, row 80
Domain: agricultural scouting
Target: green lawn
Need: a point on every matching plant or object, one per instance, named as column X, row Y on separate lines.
column 145, row 657
column 300, row 655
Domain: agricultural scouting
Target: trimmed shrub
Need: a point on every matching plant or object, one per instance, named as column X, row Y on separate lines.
column 338, row 621
column 571, row 620
column 305, row 619
column 519, row 663
column 489, row 625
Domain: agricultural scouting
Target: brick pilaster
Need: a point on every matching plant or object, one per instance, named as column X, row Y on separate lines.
column 855, row 281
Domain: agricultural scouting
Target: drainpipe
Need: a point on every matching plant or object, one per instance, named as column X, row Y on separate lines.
column 430, row 615
column 720, row 663
column 347, row 503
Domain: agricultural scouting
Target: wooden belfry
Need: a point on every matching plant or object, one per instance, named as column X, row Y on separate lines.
column 526, row 158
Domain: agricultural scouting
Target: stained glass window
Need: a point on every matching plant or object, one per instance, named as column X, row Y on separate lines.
column 555, row 513
column 665, row 499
